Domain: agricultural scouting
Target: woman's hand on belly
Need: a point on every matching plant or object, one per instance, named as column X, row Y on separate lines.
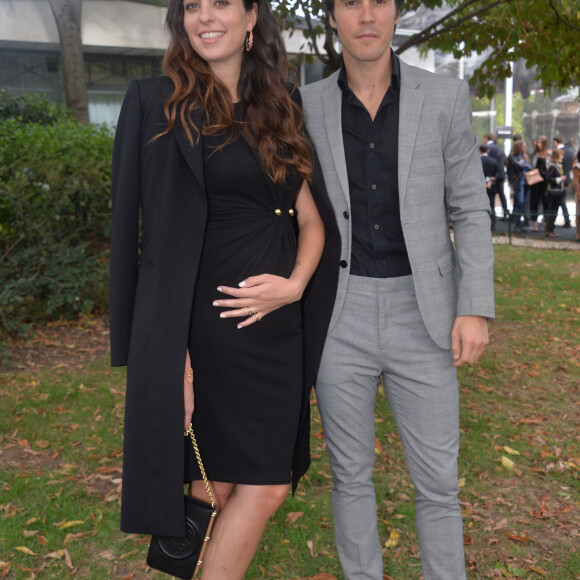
column 257, row 296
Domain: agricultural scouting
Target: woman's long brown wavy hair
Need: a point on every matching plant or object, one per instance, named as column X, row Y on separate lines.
column 271, row 121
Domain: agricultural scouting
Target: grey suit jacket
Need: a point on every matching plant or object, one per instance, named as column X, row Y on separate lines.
column 440, row 181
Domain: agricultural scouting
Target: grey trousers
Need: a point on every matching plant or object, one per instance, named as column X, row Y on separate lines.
column 381, row 332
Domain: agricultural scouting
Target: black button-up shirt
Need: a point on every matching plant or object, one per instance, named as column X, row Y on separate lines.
column 372, row 153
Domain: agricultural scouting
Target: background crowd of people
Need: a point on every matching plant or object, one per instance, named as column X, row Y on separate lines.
column 539, row 181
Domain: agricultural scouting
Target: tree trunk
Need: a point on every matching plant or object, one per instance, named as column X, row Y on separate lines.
column 67, row 14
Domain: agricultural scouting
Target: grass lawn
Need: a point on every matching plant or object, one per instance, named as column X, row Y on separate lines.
column 60, row 457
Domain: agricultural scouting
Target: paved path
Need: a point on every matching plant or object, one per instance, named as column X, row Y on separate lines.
column 536, row 239
column 533, row 239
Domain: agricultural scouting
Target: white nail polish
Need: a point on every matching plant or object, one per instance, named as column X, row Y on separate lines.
column 242, row 284
column 223, row 315
column 215, row 303
column 219, row 289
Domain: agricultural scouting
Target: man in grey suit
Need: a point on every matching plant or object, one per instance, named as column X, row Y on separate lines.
column 400, row 161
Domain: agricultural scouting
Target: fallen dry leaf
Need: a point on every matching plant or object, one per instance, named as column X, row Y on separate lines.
column 501, row 524
column 507, row 463
column 69, row 524
column 25, row 550
column 510, row 450
column 393, row 539
column 544, row 512
column 72, row 537
column 5, row 568
column 517, row 538
column 293, row 516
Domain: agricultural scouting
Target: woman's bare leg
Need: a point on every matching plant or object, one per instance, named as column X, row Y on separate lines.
column 221, row 491
column 238, row 527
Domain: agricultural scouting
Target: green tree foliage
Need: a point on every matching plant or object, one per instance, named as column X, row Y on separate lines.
column 542, row 32
column 54, row 215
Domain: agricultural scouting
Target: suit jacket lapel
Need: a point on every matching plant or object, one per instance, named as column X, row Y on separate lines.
column 410, row 106
column 193, row 153
column 332, row 111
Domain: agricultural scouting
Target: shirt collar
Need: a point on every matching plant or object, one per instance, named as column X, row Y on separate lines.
column 342, row 80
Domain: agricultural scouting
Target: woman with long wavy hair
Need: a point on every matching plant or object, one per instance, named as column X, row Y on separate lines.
column 517, row 165
column 221, row 282
column 540, row 161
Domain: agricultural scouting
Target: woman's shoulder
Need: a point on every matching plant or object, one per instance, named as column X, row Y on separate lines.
column 154, row 87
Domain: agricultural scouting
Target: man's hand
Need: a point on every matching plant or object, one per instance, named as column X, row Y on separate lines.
column 469, row 339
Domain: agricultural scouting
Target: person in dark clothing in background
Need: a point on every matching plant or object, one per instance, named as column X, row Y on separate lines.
column 518, row 164
column 492, row 174
column 540, row 161
column 497, row 153
column 567, row 159
column 555, row 192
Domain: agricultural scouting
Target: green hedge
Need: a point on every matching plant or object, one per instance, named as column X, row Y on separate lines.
column 54, row 218
column 31, row 108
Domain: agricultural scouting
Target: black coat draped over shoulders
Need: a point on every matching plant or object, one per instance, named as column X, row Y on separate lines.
column 153, row 274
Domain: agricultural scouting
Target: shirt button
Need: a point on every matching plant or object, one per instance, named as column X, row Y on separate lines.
column 377, row 226
column 345, row 214
column 343, row 264
column 373, row 186
column 372, row 145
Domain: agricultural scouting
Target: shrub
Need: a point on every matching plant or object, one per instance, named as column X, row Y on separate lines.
column 41, row 283
column 31, row 108
column 55, row 181
column 54, row 220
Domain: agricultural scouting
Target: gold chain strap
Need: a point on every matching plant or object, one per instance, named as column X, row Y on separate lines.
column 198, row 456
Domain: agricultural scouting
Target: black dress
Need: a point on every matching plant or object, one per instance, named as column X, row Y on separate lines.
column 538, row 191
column 248, row 383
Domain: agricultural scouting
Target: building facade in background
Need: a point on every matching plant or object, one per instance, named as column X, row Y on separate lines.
column 122, row 40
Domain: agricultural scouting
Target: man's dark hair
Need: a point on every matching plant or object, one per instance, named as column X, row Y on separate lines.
column 558, row 139
column 329, row 7
column 483, row 148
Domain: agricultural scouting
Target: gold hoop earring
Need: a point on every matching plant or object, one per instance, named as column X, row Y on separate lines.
column 249, row 41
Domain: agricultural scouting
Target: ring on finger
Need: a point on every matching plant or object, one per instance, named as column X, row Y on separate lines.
column 258, row 316
column 250, row 311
